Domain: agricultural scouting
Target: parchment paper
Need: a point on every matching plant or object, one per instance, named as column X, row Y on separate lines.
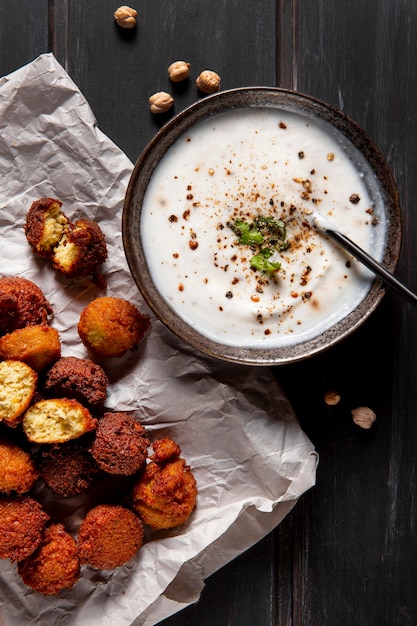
column 234, row 425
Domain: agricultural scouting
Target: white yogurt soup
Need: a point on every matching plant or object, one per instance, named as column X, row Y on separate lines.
column 227, row 236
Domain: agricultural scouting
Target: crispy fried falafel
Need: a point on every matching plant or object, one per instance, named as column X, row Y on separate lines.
column 81, row 250
column 17, row 467
column 57, row 421
column 111, row 326
column 22, row 303
column 73, row 249
column 68, row 469
column 38, row 346
column 109, row 536
column 54, row 565
column 17, row 389
column 165, row 494
column 44, row 226
column 22, row 521
column 119, row 445
column 81, row 379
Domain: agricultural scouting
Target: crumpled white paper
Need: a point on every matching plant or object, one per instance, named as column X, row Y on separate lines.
column 234, row 425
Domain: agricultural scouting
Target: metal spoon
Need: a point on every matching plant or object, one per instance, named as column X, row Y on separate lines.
column 322, row 224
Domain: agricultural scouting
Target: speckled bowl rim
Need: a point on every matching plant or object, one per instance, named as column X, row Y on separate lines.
column 241, row 98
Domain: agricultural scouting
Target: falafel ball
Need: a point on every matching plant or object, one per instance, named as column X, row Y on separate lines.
column 73, row 249
column 44, row 225
column 110, row 326
column 17, row 468
column 165, row 494
column 67, row 468
column 119, row 445
column 81, row 250
column 38, row 346
column 54, row 565
column 81, row 379
column 22, row 521
column 109, row 536
column 57, row 420
column 22, row 304
column 17, row 389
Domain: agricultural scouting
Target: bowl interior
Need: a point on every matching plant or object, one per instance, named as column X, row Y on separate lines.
column 360, row 149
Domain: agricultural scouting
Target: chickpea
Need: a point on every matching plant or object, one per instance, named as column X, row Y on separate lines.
column 160, row 102
column 208, row 81
column 125, row 17
column 178, row 71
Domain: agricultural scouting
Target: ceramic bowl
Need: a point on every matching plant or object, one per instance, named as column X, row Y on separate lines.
column 358, row 147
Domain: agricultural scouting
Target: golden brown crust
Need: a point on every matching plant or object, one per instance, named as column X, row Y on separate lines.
column 38, row 346
column 22, row 521
column 81, row 251
column 17, row 468
column 44, row 225
column 109, row 536
column 119, row 446
column 111, row 326
column 67, row 468
column 73, row 249
column 54, row 565
column 165, row 494
column 22, row 303
column 165, row 449
column 17, row 388
column 81, row 379
column 57, row 421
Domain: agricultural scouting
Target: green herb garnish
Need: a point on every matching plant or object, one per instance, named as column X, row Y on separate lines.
column 262, row 263
column 248, row 234
column 265, row 235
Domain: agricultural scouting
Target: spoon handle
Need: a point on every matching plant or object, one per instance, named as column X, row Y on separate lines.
column 372, row 264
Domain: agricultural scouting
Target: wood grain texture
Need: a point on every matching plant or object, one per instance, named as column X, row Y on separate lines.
column 23, row 33
column 352, row 537
column 347, row 553
column 117, row 70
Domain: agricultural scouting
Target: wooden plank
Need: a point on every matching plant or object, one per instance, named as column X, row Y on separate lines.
column 241, row 593
column 117, row 70
column 22, row 41
column 353, row 544
column 59, row 30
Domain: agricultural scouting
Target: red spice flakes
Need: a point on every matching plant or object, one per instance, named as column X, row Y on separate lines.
column 180, row 287
column 193, row 244
column 305, row 276
column 173, row 218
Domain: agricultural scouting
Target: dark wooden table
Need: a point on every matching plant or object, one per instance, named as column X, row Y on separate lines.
column 347, row 554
